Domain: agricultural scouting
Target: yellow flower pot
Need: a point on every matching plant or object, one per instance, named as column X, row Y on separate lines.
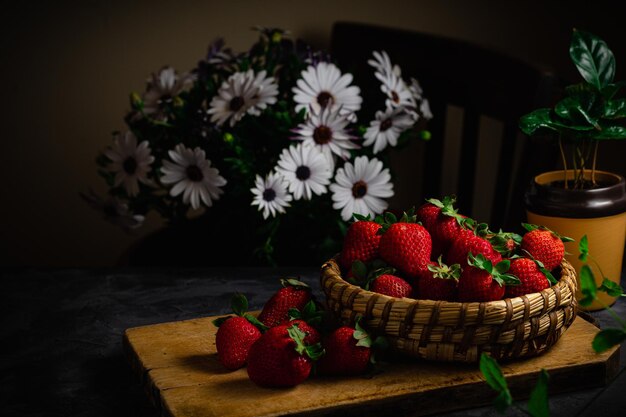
column 599, row 213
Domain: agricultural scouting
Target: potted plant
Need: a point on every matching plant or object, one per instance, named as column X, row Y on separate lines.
column 580, row 199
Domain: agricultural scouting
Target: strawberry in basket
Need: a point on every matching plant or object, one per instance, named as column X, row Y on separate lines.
column 544, row 245
column 483, row 281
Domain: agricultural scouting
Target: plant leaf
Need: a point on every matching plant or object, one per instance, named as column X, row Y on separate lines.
column 495, row 379
column 609, row 91
column 615, row 109
column 538, row 405
column 583, row 248
column 540, row 118
column 610, row 133
column 587, row 286
column 607, row 338
column 593, row 58
column 611, row 288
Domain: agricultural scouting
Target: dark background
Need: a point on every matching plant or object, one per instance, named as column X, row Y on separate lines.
column 68, row 67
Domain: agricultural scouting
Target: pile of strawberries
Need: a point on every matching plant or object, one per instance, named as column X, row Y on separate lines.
column 284, row 343
column 438, row 254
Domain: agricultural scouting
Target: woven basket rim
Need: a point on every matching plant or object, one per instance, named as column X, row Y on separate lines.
column 333, row 264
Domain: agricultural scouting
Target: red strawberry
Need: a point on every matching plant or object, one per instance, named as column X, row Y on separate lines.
column 312, row 335
column 445, row 227
column 348, row 352
column 427, row 215
column 391, row 285
column 308, row 320
column 439, row 282
column 531, row 277
column 482, row 281
column 405, row 245
column 280, row 358
column 467, row 242
column 361, row 243
column 235, row 335
column 294, row 294
column 544, row 245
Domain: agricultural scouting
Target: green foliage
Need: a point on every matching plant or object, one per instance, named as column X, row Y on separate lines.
column 588, row 112
column 538, row 403
column 587, row 286
column 607, row 338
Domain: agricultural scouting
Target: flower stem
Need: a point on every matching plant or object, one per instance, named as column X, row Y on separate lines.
column 593, row 166
column 564, row 161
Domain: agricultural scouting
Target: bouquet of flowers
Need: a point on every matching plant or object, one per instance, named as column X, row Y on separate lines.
column 268, row 144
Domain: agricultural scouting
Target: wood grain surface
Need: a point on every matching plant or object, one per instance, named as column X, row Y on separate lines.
column 178, row 366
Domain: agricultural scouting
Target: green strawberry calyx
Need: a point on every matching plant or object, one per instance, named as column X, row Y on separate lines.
column 363, row 274
column 498, row 271
column 444, row 271
column 314, row 352
column 389, row 219
column 364, row 339
column 294, row 282
column 448, row 209
column 310, row 313
column 239, row 306
column 506, row 243
column 532, row 227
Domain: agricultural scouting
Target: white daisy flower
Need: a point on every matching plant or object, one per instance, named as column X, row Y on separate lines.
column 387, row 127
column 267, row 90
column 271, row 194
column 324, row 86
column 114, row 210
column 130, row 163
column 306, row 170
column 396, row 90
column 360, row 188
column 234, row 98
column 192, row 175
column 382, row 63
column 162, row 89
column 423, row 106
column 326, row 130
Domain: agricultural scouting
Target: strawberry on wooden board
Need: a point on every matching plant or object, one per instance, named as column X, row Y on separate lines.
column 544, row 245
column 235, row 335
column 439, row 282
column 281, row 357
column 348, row 351
column 361, row 242
column 530, row 273
column 309, row 320
column 294, row 294
column 405, row 245
column 467, row 242
column 482, row 281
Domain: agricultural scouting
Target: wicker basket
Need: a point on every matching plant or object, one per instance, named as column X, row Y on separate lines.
column 451, row 331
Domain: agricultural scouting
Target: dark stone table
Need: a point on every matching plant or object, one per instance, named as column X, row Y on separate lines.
column 61, row 351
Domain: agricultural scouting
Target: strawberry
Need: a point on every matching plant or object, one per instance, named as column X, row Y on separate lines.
column 235, row 335
column 506, row 243
column 544, row 245
column 294, row 294
column 348, row 351
column 532, row 278
column 391, row 285
column 445, row 227
column 439, row 282
column 361, row 242
column 427, row 215
column 281, row 358
column 467, row 242
column 482, row 281
column 309, row 319
column 405, row 245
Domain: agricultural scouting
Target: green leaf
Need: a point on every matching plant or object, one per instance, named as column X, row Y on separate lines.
column 587, row 286
column 593, row 58
column 609, row 91
column 359, row 270
column 256, row 322
column 538, row 405
column 530, row 227
column 219, row 321
column 239, row 304
column 615, row 109
column 293, row 282
column 583, row 248
column 610, row 133
column 607, row 338
column 572, row 108
column 495, row 379
column 503, row 266
column 540, row 118
column 611, row 288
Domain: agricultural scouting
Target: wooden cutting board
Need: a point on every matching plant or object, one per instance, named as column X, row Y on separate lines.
column 178, row 366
